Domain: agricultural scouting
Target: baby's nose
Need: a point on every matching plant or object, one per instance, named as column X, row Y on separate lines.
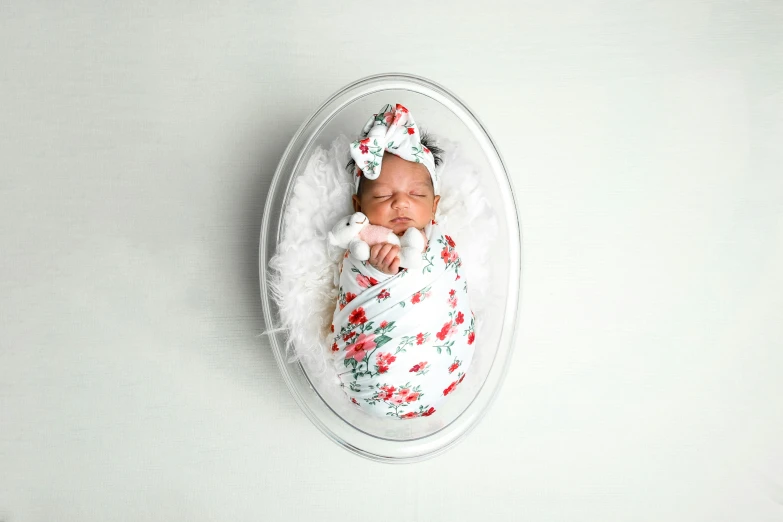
column 400, row 200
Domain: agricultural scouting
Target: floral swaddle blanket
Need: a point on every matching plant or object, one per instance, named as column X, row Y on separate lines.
column 402, row 343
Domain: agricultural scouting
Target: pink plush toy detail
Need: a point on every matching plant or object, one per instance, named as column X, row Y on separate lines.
column 355, row 233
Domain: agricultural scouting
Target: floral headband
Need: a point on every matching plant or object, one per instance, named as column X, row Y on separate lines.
column 392, row 130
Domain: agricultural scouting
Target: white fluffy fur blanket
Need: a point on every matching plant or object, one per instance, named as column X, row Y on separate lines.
column 304, row 270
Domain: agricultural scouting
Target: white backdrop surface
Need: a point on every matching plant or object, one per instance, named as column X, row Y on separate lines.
column 137, row 144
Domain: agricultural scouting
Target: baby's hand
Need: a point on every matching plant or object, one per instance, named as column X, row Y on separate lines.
column 385, row 257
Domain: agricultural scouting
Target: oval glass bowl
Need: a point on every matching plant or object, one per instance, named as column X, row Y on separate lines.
column 441, row 112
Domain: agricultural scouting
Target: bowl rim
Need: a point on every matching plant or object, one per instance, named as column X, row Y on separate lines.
column 323, row 114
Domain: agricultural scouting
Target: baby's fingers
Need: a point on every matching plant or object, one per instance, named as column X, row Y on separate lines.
column 395, row 266
column 393, row 252
column 384, row 252
column 374, row 251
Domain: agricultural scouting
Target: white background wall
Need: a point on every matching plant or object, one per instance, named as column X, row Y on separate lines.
column 137, row 144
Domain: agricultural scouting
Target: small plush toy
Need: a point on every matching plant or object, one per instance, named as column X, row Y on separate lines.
column 355, row 233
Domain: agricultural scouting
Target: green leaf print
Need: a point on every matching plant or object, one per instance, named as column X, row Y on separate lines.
column 381, row 340
column 430, row 264
column 447, row 346
column 384, row 329
column 405, row 342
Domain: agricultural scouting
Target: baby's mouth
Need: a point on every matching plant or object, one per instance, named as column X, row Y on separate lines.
column 401, row 220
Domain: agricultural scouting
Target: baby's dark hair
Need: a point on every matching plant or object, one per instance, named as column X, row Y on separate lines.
column 426, row 141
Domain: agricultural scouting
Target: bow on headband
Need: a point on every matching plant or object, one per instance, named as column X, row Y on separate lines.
column 392, row 130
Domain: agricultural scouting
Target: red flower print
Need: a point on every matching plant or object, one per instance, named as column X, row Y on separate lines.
column 471, row 337
column 453, row 302
column 453, row 256
column 345, row 256
column 452, row 292
column 419, row 338
column 433, row 222
column 426, row 149
column 460, row 318
column 387, row 116
column 347, row 336
column 444, row 255
column 461, row 378
column 404, row 395
column 353, row 400
column 418, row 367
column 357, row 316
column 342, row 305
column 401, row 108
column 384, row 294
column 364, row 148
column 332, row 328
column 409, row 415
column 387, row 358
column 386, row 392
column 428, row 412
column 450, row 389
column 398, row 398
column 359, row 349
column 416, row 298
column 452, row 329
column 450, row 241
column 363, row 281
column 349, row 297
column 383, row 362
column 444, row 332
column 334, row 347
column 384, row 324
column 411, row 130
column 453, row 367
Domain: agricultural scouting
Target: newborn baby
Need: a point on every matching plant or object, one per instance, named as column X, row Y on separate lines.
column 403, row 337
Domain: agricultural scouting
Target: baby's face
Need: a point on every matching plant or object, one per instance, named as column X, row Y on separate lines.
column 401, row 197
